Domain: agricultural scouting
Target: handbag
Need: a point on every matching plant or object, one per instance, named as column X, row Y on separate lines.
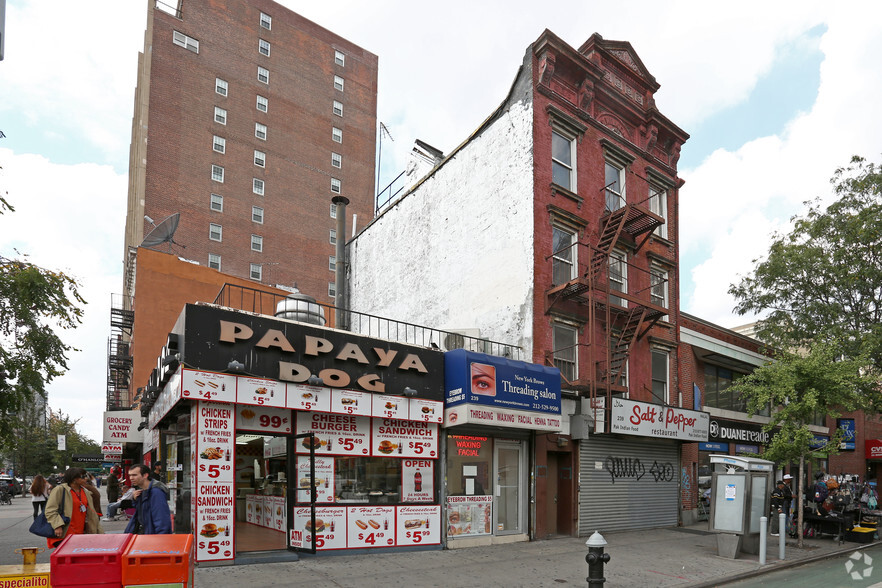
column 41, row 525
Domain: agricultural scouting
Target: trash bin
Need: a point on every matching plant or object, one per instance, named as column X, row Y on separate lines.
column 165, row 560
column 90, row 560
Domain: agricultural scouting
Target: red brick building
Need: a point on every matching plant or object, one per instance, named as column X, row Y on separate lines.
column 554, row 227
column 248, row 119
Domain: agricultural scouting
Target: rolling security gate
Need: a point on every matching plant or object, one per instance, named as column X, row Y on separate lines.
column 627, row 484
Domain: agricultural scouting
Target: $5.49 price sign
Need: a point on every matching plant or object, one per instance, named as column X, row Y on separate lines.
column 214, row 471
column 214, row 547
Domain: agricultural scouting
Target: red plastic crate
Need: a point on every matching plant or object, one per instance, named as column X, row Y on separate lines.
column 89, row 560
column 159, row 559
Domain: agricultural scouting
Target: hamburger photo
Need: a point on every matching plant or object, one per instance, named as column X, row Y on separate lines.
column 386, row 447
column 210, row 530
column 319, row 526
column 311, row 442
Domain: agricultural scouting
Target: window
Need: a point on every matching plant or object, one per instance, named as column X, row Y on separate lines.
column 256, row 271
column 220, row 115
column 339, row 58
column 716, row 388
column 337, row 135
column 217, row 173
column 338, row 108
column 563, row 262
column 338, row 83
column 336, row 160
column 335, row 185
column 563, row 340
column 563, row 160
column 260, row 131
column 186, row 42
column 332, row 290
column 262, row 104
column 257, row 186
column 658, row 204
column 220, row 144
column 266, row 21
column 263, row 47
column 215, row 232
column 333, row 237
column 217, row 203
column 259, row 158
column 333, row 210
column 220, row 86
column 262, row 75
column 332, row 262
column 214, row 261
column 256, row 243
column 257, row 215
column 618, row 276
column 615, row 186
column 659, row 376
column 658, row 287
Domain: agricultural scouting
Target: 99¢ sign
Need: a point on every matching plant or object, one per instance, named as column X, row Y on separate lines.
column 264, row 419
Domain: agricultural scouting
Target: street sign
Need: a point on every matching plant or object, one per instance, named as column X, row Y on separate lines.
column 87, row 458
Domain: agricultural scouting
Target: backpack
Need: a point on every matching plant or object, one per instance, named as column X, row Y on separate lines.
column 820, row 491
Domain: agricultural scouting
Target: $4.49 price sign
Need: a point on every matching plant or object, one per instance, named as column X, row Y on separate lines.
column 371, row 526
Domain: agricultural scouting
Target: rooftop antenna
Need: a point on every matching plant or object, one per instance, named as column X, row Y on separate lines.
column 383, row 132
column 164, row 232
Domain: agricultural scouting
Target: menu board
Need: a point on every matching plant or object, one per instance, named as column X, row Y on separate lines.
column 351, row 402
column 335, row 434
column 209, row 386
column 261, row 392
column 430, row 411
column 324, row 479
column 250, row 508
column 264, row 419
column 469, row 515
column 330, row 528
column 394, row 407
column 215, row 442
column 398, row 438
column 418, row 525
column 214, row 521
column 370, row 526
column 281, row 517
column 418, row 480
column 269, row 512
column 302, row 397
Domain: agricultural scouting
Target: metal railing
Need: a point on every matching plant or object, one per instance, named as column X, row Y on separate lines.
column 369, row 325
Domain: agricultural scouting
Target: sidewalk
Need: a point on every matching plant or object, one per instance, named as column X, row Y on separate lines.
column 658, row 557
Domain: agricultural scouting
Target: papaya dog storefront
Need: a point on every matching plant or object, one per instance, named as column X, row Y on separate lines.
column 282, row 435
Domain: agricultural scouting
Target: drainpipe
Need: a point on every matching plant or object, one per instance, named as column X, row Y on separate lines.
column 340, row 301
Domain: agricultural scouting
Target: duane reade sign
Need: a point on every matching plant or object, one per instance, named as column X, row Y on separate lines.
column 122, row 426
column 655, row 420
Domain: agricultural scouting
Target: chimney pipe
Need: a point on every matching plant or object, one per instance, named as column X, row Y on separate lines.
column 340, row 301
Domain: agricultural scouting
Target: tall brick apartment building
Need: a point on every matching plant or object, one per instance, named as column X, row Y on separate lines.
column 248, row 119
column 554, row 227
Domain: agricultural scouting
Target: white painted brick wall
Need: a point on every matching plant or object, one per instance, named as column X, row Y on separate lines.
column 457, row 252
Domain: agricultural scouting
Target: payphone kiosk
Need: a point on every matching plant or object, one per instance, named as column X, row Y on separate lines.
column 740, row 495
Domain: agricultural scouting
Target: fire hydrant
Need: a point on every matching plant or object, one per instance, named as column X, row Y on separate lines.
column 596, row 558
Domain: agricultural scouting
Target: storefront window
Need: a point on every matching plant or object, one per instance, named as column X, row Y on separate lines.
column 468, row 465
column 367, row 480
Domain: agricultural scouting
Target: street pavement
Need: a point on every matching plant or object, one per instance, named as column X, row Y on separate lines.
column 657, row 557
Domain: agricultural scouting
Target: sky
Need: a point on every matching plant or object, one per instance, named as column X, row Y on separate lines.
column 775, row 96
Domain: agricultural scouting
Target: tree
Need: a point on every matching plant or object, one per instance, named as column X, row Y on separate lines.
column 822, row 282
column 34, row 302
column 802, row 386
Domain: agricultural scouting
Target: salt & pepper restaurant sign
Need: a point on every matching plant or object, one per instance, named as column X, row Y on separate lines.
column 643, row 419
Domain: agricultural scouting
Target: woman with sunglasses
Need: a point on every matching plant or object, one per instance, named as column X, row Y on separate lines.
column 78, row 508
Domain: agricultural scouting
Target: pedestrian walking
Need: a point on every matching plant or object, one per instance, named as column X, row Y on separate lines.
column 777, row 506
column 78, row 508
column 152, row 515
column 113, row 486
column 39, row 494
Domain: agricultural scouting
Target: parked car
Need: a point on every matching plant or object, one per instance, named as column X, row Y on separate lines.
column 13, row 486
column 26, row 487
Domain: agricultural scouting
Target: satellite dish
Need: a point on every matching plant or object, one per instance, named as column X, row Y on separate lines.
column 164, row 232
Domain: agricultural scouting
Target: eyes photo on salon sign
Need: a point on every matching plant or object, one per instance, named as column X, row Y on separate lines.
column 483, row 379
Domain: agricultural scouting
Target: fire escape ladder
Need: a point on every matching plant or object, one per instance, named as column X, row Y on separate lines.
column 621, row 347
column 612, row 229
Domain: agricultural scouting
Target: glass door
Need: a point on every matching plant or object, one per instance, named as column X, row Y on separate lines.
column 510, row 487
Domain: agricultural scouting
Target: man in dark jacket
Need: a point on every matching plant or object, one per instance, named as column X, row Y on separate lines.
column 777, row 506
column 152, row 515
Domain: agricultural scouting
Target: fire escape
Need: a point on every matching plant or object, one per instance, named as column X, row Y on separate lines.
column 614, row 319
column 119, row 358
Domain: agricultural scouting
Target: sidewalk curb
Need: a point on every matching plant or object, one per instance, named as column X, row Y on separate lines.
column 782, row 565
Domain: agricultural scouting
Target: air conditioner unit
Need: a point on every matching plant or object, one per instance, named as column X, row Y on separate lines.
column 464, row 339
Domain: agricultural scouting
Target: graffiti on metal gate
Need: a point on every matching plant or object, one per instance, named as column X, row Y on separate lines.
column 633, row 468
